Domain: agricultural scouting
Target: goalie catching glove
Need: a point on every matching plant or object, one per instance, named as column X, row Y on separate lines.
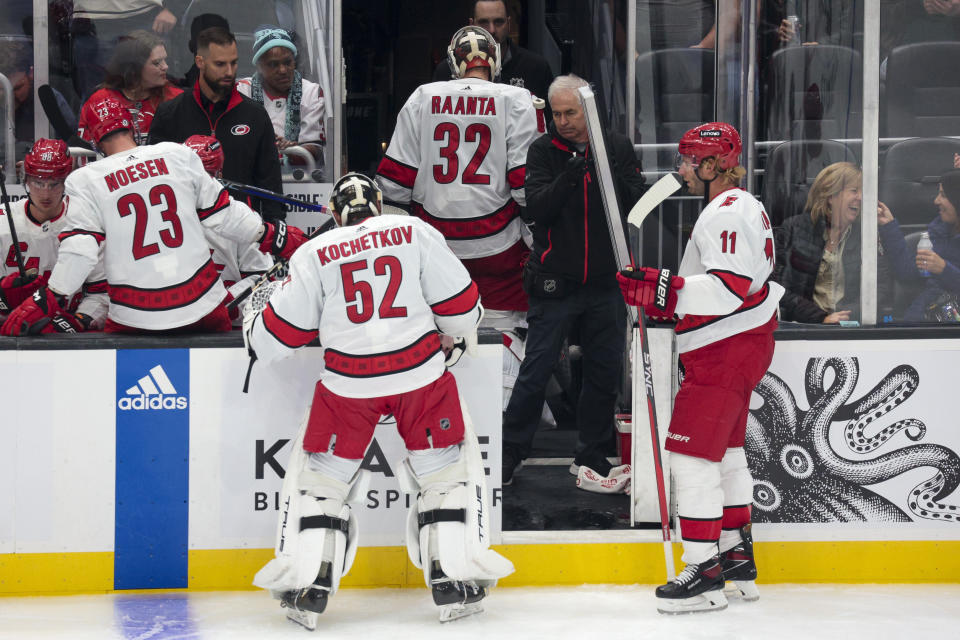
column 43, row 313
column 655, row 290
column 281, row 240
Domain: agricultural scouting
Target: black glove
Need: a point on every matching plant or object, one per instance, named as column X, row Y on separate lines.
column 573, row 172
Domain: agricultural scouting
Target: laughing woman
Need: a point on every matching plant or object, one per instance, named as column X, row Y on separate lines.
column 818, row 251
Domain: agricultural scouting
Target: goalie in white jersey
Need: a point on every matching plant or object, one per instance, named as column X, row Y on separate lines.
column 727, row 309
column 143, row 209
column 376, row 291
column 458, row 158
column 37, row 221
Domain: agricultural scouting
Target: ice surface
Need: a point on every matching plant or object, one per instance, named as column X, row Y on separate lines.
column 804, row 612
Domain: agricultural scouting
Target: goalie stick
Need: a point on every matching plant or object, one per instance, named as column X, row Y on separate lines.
column 48, row 101
column 622, row 254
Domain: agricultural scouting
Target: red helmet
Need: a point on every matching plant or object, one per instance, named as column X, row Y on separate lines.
column 48, row 160
column 472, row 47
column 111, row 116
column 716, row 139
column 210, row 151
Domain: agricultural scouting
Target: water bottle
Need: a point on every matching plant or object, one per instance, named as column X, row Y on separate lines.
column 924, row 244
column 794, row 21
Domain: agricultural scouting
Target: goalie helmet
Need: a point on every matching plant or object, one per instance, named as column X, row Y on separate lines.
column 111, row 117
column 356, row 197
column 210, row 151
column 713, row 139
column 473, row 47
column 48, row 160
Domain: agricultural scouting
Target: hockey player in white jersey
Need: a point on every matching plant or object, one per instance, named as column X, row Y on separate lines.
column 239, row 264
column 145, row 208
column 376, row 291
column 38, row 219
column 457, row 158
column 727, row 309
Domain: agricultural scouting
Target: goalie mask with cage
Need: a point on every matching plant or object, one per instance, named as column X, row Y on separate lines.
column 355, row 197
column 472, row 47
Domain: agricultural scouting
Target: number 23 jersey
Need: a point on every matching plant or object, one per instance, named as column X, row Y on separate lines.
column 148, row 207
column 726, row 268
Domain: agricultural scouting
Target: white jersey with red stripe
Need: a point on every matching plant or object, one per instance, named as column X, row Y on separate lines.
column 376, row 293
column 458, row 156
column 39, row 245
column 726, row 267
column 239, row 264
column 147, row 207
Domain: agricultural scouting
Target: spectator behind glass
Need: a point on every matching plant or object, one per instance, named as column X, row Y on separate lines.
column 97, row 26
column 818, row 251
column 16, row 62
column 519, row 67
column 295, row 105
column 137, row 79
column 942, row 286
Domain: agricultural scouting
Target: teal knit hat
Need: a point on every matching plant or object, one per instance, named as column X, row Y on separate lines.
column 267, row 38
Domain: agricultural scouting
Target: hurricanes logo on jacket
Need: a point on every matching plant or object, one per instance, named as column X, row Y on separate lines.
column 152, row 391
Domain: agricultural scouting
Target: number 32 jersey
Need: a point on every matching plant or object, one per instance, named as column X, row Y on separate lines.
column 726, row 269
column 458, row 157
column 375, row 293
column 147, row 207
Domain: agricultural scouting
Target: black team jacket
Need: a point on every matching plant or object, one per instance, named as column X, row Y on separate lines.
column 243, row 129
column 570, row 234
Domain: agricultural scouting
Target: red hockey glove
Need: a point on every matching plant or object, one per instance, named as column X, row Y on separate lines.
column 41, row 313
column 653, row 289
column 15, row 288
column 281, row 240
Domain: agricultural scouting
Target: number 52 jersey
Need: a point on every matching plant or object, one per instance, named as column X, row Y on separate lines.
column 375, row 293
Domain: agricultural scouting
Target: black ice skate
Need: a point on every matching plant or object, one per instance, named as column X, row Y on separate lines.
column 304, row 606
column 699, row 587
column 739, row 567
column 456, row 599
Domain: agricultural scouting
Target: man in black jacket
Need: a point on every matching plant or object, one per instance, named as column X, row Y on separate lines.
column 571, row 278
column 518, row 66
column 216, row 108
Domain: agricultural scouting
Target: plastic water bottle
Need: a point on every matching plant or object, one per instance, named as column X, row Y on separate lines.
column 795, row 26
column 924, row 244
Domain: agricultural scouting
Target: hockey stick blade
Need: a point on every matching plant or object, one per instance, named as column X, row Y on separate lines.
column 660, row 191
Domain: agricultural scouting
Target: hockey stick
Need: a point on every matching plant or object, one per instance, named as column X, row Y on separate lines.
column 622, row 254
column 660, row 191
column 48, row 101
column 13, row 227
column 267, row 275
column 274, row 196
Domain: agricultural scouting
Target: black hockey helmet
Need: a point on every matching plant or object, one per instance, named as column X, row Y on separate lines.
column 356, row 197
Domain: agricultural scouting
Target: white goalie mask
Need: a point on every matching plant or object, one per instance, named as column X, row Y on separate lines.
column 356, row 197
column 472, row 47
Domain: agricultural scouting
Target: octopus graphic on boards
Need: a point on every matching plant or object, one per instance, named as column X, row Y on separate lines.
column 799, row 476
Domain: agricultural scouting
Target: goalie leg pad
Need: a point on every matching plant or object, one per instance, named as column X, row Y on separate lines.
column 452, row 515
column 318, row 534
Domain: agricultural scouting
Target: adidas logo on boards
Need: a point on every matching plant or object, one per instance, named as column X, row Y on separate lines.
column 152, row 391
